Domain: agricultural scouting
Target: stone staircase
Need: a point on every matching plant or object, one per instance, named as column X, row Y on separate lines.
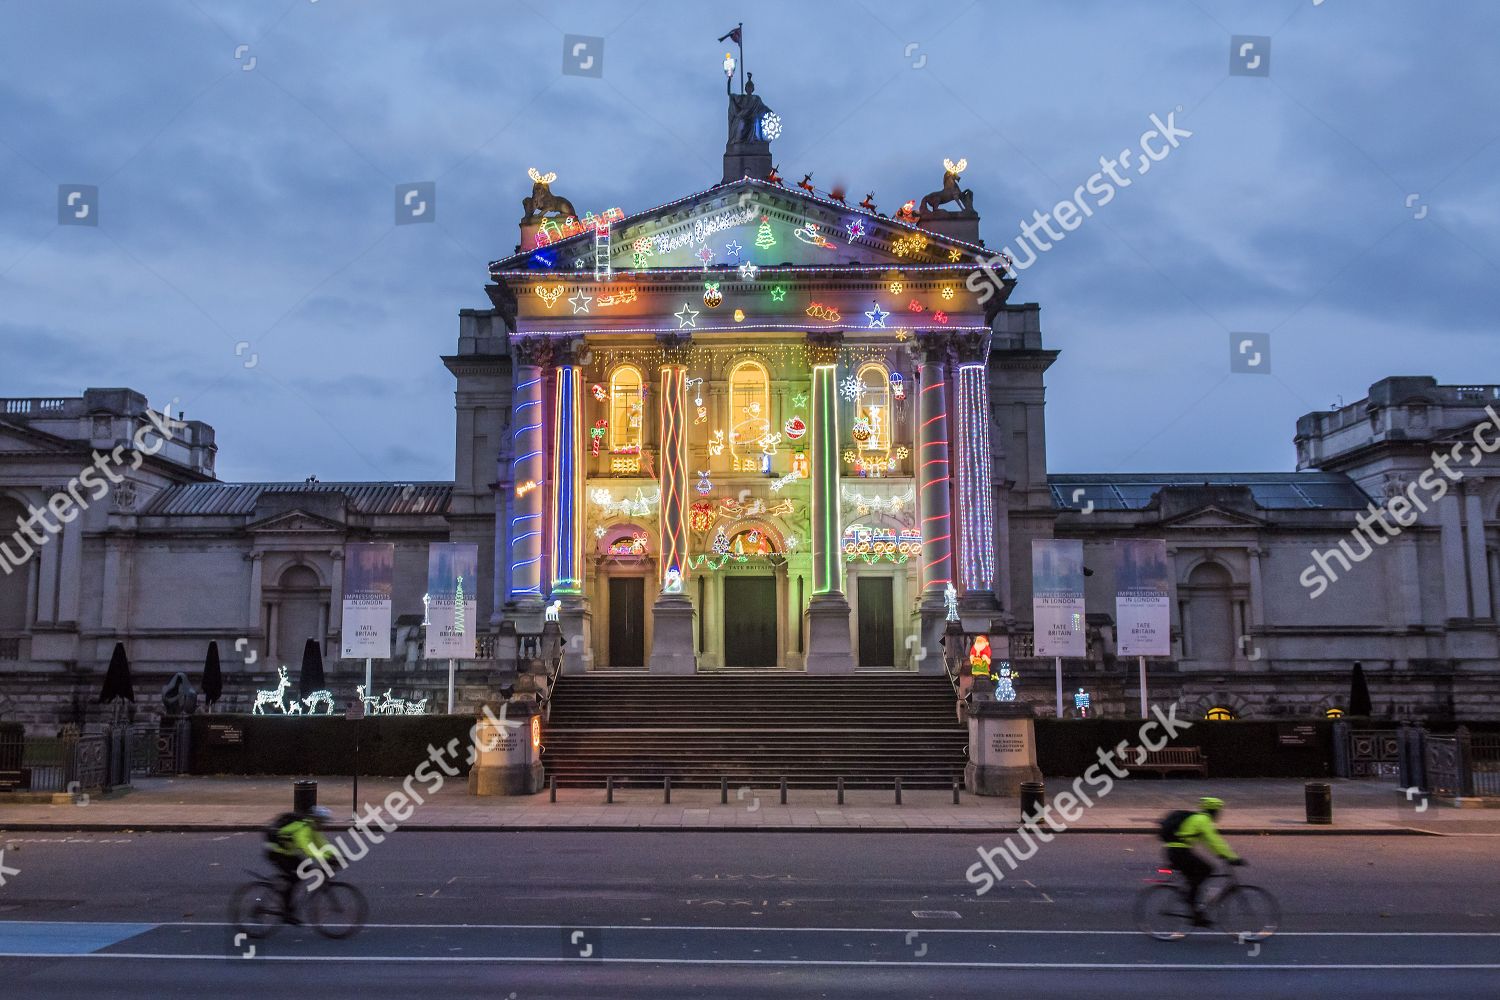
column 754, row 728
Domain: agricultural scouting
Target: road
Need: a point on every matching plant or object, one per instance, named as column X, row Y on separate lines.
column 743, row 915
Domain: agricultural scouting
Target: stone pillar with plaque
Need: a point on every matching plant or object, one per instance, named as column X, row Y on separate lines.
column 507, row 757
column 1002, row 747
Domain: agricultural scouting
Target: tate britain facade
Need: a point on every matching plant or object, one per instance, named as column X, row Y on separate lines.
column 759, row 428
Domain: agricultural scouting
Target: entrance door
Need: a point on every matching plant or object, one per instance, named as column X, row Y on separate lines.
column 627, row 621
column 877, row 637
column 749, row 621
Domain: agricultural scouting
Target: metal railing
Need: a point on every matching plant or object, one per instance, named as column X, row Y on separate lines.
column 1484, row 763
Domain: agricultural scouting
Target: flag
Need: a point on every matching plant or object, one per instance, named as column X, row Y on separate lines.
column 734, row 35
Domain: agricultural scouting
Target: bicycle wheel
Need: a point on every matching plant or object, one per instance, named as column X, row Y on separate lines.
column 1162, row 912
column 1247, row 913
column 255, row 909
column 338, row 910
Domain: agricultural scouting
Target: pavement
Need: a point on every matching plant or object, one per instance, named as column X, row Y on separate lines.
column 1134, row 805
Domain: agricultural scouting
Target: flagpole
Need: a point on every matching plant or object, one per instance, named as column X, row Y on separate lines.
column 741, row 44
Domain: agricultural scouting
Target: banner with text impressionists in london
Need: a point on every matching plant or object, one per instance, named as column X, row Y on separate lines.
column 452, row 576
column 1143, row 601
column 1057, row 596
column 368, row 577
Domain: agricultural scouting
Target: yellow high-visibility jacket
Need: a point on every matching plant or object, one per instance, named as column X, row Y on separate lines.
column 1199, row 827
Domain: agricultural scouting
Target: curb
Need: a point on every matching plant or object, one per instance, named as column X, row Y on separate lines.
column 1381, row 831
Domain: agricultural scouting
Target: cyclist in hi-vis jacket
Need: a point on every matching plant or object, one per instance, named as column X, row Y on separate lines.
column 1198, row 828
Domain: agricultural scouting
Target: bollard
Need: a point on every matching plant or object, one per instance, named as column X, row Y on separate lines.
column 552, row 787
column 723, row 791
column 1033, row 800
column 955, row 792
column 1319, row 802
column 304, row 795
column 898, row 791
column 666, row 790
column 783, row 791
column 609, row 789
column 841, row 791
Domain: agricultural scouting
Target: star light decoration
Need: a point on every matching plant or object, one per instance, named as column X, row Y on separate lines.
column 856, row 229
column 580, row 303
column 877, row 316
column 778, row 294
column 748, row 271
column 732, row 249
column 705, row 255
column 954, row 254
column 852, row 388
column 687, row 316
column 799, row 400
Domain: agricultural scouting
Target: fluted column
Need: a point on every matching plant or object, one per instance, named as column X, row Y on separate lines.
column 567, row 483
column 933, row 469
column 976, row 516
column 829, row 645
column 528, row 473
column 672, row 639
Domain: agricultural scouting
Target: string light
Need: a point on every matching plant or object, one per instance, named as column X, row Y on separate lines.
column 526, row 487
column 855, row 229
column 764, row 239
column 687, row 317
column 580, row 303
column 619, row 298
column 526, row 465
column 567, row 556
column 747, row 271
column 827, row 567
column 890, row 503
column 549, row 296
column 975, row 503
column 876, row 316
column 643, row 504
column 673, row 470
column 810, row 234
column 909, row 246
column 932, row 476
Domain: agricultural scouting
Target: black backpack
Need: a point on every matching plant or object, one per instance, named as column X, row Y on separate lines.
column 1171, row 823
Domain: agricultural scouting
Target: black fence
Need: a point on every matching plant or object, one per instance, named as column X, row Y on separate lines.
column 1249, row 748
column 389, row 745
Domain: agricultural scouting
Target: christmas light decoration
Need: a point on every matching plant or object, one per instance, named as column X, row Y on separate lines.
column 893, row 503
column 898, row 386
column 812, row 236
column 703, row 227
column 458, row 606
column 781, row 482
column 895, row 287
column 642, row 504
column 909, row 246
column 1005, row 682
column 716, row 443
column 975, row 500
column 596, row 435
column 819, row 311
column 764, row 239
column 799, row 400
column 732, row 249
column 855, row 229
column 580, row 303
column 673, row 531
column 712, row 297
column 769, row 443
column 947, row 291
column 800, row 465
column 549, row 296
column 739, row 317
column 706, row 255
column 721, row 542
column 630, row 546
column 768, row 128
column 526, row 464
column 827, row 567
column 954, row 255
column 876, row 315
column 852, row 388
column 908, row 213
column 794, row 428
column 625, row 466
column 915, row 306
column 901, row 337
column 940, row 317
column 702, row 515
column 616, row 298
column 600, row 393
column 778, row 294
column 747, row 271
column 567, row 479
column 526, row 487
column 861, row 431
column 933, row 478
column 705, row 485
column 872, row 545
column 687, row 317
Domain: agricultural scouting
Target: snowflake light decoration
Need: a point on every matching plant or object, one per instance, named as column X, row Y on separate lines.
column 852, row 388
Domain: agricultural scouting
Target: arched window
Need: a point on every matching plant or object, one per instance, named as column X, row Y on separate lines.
column 300, row 615
column 872, row 413
column 627, row 405
column 1209, row 624
column 749, row 411
column 1219, row 714
column 753, row 541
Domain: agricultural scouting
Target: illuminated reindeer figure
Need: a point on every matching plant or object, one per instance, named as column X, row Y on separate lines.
column 276, row 697
column 869, row 203
column 774, row 177
column 806, row 184
column 324, row 698
column 372, row 705
column 391, row 706
column 542, row 200
column 951, row 191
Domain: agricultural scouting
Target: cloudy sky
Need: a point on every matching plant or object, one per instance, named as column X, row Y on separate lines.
column 247, row 263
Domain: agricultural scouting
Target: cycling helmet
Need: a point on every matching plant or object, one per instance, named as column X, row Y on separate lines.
column 320, row 813
column 1210, row 804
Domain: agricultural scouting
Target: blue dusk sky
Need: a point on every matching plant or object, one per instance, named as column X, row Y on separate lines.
column 1338, row 195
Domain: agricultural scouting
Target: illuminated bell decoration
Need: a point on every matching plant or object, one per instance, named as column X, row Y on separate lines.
column 795, row 428
column 739, row 315
column 712, row 297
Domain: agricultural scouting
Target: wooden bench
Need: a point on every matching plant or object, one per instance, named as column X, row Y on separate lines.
column 1169, row 759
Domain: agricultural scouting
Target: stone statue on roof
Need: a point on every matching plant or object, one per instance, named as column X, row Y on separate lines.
column 745, row 111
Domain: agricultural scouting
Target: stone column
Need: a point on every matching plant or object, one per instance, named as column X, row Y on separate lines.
column 528, row 475
column 1479, row 571
column 829, row 649
column 1455, row 581
column 335, row 609
column 672, row 641
column 933, row 475
column 566, row 524
column 976, row 513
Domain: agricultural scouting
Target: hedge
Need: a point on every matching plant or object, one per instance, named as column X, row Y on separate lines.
column 389, row 745
column 1248, row 748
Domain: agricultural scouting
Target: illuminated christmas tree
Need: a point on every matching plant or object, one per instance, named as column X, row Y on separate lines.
column 458, row 608
column 721, row 542
column 763, row 237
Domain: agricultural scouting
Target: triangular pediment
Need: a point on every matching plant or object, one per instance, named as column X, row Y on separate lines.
column 746, row 222
column 1211, row 518
column 294, row 521
column 19, row 439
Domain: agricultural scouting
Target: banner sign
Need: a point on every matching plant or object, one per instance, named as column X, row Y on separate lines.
column 369, row 574
column 1143, row 600
column 1057, row 597
column 452, row 610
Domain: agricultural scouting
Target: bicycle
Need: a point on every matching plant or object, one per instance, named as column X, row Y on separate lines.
column 336, row 910
column 1246, row 913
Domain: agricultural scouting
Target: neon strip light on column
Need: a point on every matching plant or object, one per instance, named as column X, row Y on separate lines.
column 932, row 474
column 525, row 466
column 975, row 505
column 673, row 473
column 566, row 557
column 826, row 532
